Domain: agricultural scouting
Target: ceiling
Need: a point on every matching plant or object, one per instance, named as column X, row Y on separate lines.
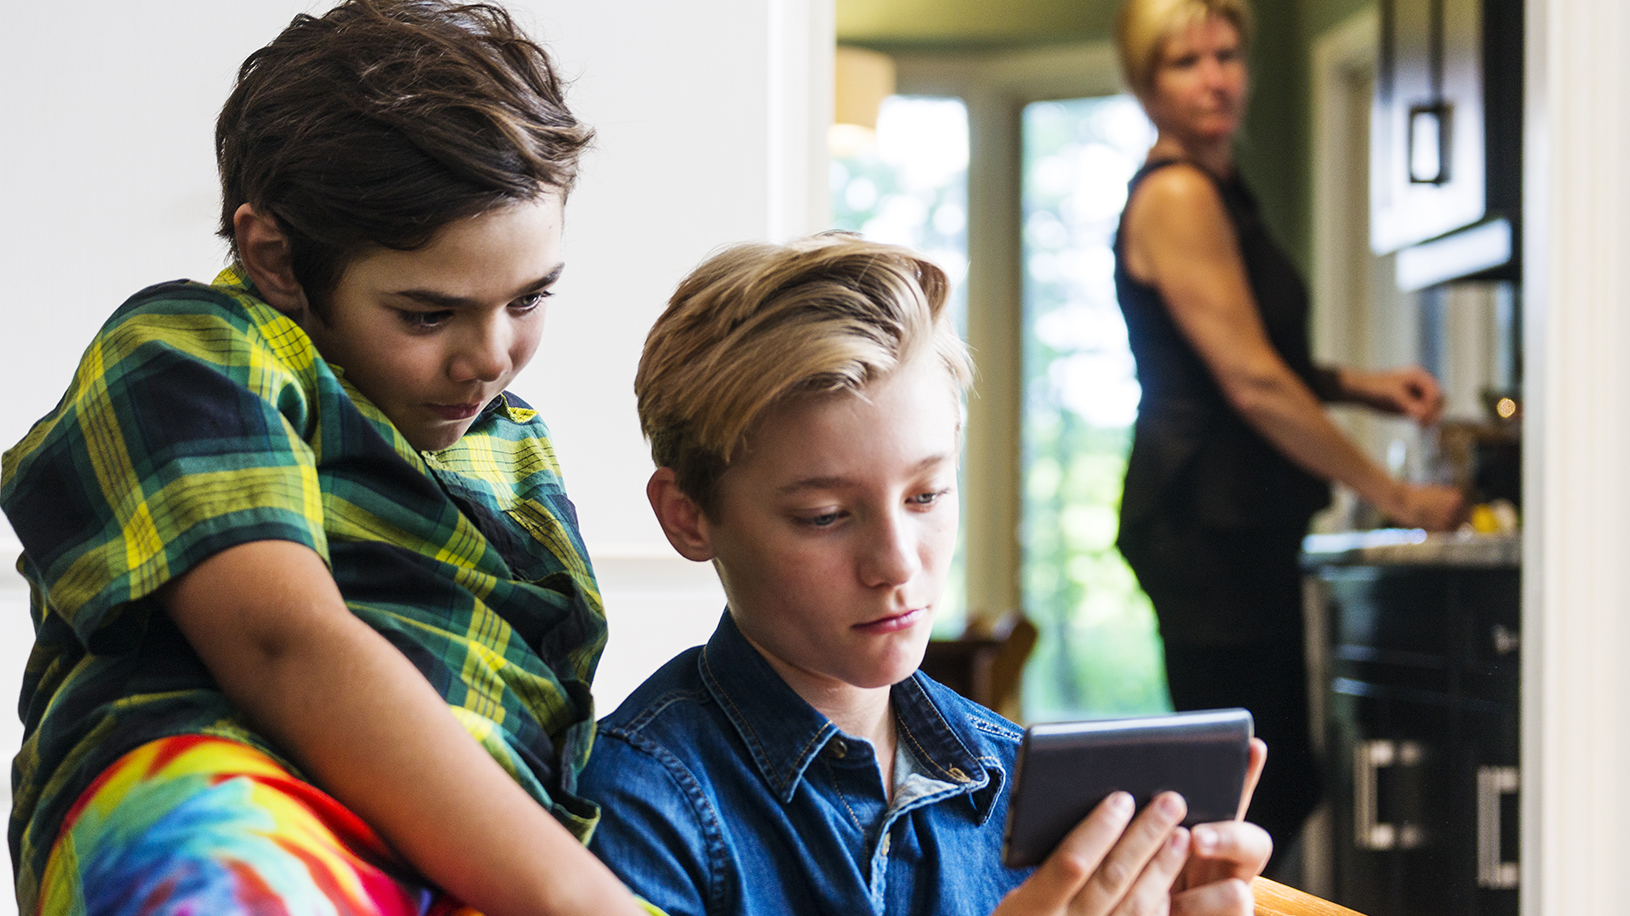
column 934, row 24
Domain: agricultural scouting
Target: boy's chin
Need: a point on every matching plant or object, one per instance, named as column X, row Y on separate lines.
column 907, row 667
column 433, row 440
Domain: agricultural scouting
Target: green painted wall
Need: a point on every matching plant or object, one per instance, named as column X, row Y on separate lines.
column 1275, row 150
column 1274, row 147
column 1269, row 153
column 971, row 24
column 1322, row 15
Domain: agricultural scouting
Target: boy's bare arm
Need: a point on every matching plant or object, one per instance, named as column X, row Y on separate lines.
column 269, row 622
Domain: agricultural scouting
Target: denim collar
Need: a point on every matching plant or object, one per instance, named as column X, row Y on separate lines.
column 784, row 733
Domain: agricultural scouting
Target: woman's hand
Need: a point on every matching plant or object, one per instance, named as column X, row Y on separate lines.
column 1434, row 507
column 1110, row 863
column 1410, row 391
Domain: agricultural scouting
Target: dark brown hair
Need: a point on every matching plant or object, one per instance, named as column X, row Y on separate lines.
column 382, row 121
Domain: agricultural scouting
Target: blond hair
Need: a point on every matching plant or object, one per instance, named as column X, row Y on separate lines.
column 1144, row 26
column 758, row 324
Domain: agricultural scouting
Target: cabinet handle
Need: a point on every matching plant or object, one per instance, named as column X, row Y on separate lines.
column 1369, row 757
column 1505, row 641
column 1493, row 783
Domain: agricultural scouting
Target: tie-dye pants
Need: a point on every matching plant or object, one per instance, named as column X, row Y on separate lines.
column 193, row 825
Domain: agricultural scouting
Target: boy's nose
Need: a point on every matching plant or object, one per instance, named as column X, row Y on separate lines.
column 891, row 556
column 483, row 356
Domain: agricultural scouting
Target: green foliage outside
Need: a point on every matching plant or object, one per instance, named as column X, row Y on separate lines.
column 1099, row 651
column 912, row 189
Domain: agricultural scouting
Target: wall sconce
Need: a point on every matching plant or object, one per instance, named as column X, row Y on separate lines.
column 863, row 79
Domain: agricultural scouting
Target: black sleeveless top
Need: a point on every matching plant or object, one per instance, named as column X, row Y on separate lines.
column 1192, row 456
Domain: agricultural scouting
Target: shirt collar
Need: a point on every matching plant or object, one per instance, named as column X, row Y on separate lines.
column 234, row 278
column 784, row 734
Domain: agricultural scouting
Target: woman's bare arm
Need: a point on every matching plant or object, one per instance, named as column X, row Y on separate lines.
column 1179, row 239
column 1410, row 391
column 269, row 622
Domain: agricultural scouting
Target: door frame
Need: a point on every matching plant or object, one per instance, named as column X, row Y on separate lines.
column 996, row 86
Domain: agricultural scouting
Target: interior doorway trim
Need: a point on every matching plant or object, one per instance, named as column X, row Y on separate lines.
column 1343, row 62
column 996, row 86
column 1341, row 56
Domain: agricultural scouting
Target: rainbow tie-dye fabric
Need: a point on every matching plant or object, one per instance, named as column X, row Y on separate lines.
column 199, row 825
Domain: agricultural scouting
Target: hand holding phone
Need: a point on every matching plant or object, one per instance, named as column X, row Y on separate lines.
column 1064, row 770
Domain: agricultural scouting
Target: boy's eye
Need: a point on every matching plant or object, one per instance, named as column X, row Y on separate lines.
column 530, row 301
column 424, row 321
column 929, row 498
column 821, row 520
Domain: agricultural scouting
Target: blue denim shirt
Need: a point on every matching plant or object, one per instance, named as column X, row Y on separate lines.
column 724, row 792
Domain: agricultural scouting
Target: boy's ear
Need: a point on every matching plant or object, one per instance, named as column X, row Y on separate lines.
column 264, row 249
column 679, row 515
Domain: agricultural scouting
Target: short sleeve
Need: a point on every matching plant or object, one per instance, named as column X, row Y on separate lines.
column 182, row 434
column 657, row 831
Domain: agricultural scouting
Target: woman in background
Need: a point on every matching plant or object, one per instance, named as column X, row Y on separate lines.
column 1232, row 451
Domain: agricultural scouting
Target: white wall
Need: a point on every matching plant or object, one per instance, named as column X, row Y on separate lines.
column 1576, row 448
column 710, row 115
column 711, row 118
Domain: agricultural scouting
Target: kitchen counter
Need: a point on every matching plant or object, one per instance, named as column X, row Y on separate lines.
column 1411, row 547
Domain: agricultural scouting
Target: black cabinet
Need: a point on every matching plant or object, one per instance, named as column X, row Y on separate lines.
column 1446, row 132
column 1421, row 711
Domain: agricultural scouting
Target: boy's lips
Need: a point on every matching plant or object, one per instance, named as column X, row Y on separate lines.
column 456, row 411
column 893, row 622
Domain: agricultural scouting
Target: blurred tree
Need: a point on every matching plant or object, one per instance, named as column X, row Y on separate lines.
column 1099, row 653
column 911, row 189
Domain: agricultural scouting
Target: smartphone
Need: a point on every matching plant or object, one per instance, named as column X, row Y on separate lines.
column 1065, row 769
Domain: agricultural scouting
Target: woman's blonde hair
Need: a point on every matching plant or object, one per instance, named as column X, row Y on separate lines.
column 1144, row 26
column 758, row 324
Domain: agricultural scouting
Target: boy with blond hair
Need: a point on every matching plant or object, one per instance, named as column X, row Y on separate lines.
column 803, row 404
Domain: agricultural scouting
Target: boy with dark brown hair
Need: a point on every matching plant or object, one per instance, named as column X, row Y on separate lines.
column 314, row 622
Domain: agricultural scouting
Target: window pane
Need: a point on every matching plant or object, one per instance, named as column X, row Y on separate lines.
column 911, row 189
column 1099, row 651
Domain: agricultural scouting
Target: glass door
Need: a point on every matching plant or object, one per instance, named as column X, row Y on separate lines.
column 1099, row 650
column 911, row 188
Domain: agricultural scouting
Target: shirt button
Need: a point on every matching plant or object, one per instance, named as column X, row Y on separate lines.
column 838, row 748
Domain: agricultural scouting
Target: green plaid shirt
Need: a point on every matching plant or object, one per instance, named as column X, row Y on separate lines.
column 200, row 418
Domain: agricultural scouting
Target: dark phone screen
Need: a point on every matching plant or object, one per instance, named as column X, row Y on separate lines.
column 1065, row 769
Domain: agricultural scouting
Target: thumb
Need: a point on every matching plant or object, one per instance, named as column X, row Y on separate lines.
column 1055, row 882
column 1049, row 889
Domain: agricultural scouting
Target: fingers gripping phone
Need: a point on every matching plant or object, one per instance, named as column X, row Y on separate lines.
column 1065, row 769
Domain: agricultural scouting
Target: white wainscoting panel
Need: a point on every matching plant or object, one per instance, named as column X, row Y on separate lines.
column 657, row 606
